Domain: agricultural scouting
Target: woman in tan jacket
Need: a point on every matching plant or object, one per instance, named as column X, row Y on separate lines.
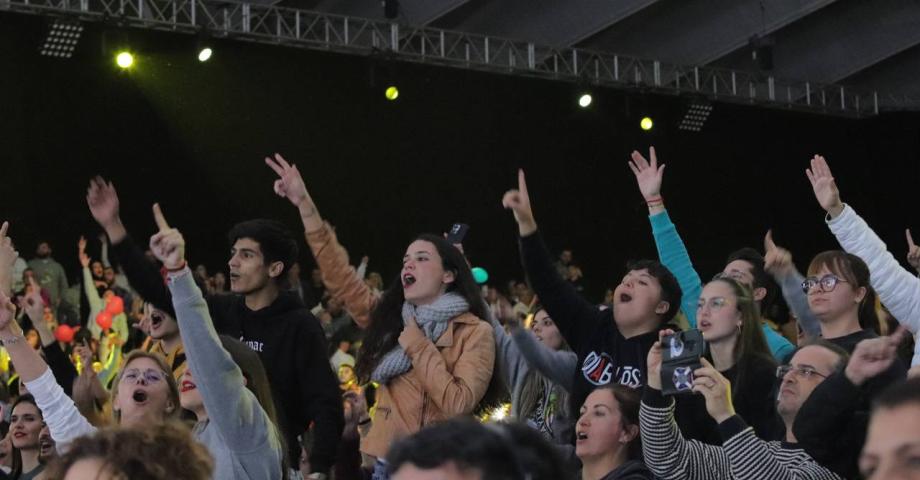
column 427, row 345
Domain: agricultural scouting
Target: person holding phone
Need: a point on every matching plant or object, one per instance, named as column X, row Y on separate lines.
column 428, row 344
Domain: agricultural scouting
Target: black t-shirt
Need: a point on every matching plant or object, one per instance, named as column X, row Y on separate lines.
column 604, row 354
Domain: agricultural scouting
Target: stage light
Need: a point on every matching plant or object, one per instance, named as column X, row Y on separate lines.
column 584, row 101
column 205, row 54
column 646, row 123
column 62, row 39
column 124, row 59
column 392, row 93
column 695, row 117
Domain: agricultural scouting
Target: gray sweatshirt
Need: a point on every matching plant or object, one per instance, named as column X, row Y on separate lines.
column 518, row 354
column 238, row 433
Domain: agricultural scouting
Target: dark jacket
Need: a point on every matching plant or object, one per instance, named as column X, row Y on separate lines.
column 604, row 354
column 631, row 470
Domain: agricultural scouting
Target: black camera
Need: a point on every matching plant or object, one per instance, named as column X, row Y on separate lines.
column 680, row 357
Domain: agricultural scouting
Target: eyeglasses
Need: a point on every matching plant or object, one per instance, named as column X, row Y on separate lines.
column 150, row 375
column 804, row 373
column 828, row 283
column 714, row 303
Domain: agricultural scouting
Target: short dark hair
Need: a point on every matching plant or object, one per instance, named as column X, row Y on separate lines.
column 819, row 342
column 464, row 442
column 749, row 255
column 274, row 239
column 898, row 394
column 670, row 288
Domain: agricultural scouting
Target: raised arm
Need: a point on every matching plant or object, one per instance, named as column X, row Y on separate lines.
column 556, row 365
column 778, row 263
column 63, row 370
column 898, row 288
column 7, row 265
column 145, row 277
column 89, row 287
column 231, row 408
column 58, row 410
column 571, row 312
column 671, row 249
column 339, row 276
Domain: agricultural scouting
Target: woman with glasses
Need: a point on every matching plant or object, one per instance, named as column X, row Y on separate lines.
column 728, row 317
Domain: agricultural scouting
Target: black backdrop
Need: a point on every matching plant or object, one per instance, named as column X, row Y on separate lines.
column 192, row 136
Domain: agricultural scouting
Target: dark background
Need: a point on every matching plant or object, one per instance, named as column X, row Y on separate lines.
column 192, row 136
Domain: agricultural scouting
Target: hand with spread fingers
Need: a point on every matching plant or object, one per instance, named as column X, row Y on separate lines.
column 102, row 199
column 167, row 245
column 716, row 389
column 649, row 176
column 8, row 256
column 81, row 252
column 822, row 182
column 290, row 185
column 518, row 201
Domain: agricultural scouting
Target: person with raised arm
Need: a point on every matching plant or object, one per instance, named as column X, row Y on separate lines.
column 428, row 344
column 259, row 312
column 742, row 455
column 898, row 289
column 225, row 386
column 611, row 344
column 744, row 265
column 143, row 392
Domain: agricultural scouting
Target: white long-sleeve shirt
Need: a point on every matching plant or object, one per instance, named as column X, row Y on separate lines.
column 898, row 289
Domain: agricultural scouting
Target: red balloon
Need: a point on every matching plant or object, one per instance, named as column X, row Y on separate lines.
column 104, row 320
column 64, row 333
column 115, row 306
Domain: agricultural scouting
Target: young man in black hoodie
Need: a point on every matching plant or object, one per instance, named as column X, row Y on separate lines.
column 612, row 345
column 270, row 320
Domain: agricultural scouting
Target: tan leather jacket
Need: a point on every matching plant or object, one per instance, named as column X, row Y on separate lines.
column 449, row 376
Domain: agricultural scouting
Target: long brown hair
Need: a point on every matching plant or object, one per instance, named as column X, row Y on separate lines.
column 855, row 271
column 535, row 386
column 751, row 345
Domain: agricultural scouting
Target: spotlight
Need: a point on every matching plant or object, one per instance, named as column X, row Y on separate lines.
column 646, row 123
column 392, row 93
column 695, row 117
column 205, row 54
column 584, row 101
column 124, row 59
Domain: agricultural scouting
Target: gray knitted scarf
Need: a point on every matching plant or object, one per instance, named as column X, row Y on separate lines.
column 433, row 319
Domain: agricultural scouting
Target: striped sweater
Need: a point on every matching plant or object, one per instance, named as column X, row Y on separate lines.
column 741, row 456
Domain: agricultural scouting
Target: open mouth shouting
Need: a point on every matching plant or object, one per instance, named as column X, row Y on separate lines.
column 156, row 319
column 581, row 437
column 625, row 298
column 140, row 397
column 45, row 445
column 408, row 280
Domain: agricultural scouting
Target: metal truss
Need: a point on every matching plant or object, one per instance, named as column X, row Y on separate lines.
column 320, row 31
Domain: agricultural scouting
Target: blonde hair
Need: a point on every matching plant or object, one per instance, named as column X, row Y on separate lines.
column 170, row 382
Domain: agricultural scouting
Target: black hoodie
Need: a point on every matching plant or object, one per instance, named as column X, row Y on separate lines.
column 604, row 354
column 631, row 470
column 290, row 343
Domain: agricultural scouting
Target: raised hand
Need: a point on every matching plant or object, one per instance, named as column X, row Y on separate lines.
column 822, row 182
column 648, row 174
column 81, row 252
column 290, row 185
column 913, row 252
column 167, row 245
column 653, row 372
column 777, row 260
column 102, row 200
column 716, row 389
column 8, row 256
column 873, row 356
column 518, row 201
column 34, row 304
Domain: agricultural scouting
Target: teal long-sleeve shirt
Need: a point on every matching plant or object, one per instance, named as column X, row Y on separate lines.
column 673, row 254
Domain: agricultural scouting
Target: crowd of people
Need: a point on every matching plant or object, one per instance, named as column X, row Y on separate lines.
column 148, row 368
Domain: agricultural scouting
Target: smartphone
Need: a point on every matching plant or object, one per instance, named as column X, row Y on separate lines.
column 457, row 232
column 680, row 357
